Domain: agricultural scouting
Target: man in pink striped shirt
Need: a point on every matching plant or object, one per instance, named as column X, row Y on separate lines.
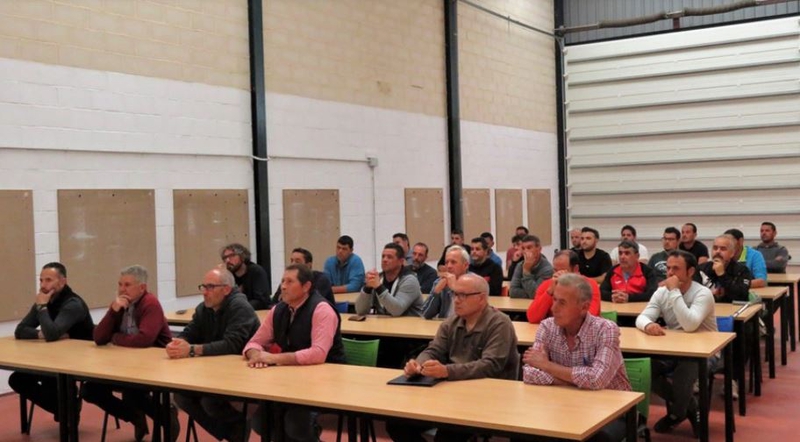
column 576, row 348
column 303, row 329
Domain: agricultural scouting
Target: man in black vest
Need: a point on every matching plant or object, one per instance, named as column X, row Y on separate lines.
column 57, row 313
column 303, row 329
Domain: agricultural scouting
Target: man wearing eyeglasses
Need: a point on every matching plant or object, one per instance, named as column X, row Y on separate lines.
column 222, row 324
column 477, row 342
column 658, row 262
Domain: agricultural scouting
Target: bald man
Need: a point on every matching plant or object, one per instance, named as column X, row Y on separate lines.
column 477, row 342
column 222, row 324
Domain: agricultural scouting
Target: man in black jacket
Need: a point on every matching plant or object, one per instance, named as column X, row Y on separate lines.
column 222, row 324
column 728, row 279
column 57, row 313
column 251, row 278
column 485, row 267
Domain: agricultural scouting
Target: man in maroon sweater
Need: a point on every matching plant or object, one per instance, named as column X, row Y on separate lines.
column 134, row 319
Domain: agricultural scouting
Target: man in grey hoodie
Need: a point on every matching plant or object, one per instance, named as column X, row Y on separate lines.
column 395, row 291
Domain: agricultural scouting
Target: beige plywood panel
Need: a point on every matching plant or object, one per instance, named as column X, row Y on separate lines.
column 508, row 215
column 477, row 213
column 17, row 253
column 102, row 231
column 205, row 222
column 539, row 215
column 311, row 221
column 425, row 219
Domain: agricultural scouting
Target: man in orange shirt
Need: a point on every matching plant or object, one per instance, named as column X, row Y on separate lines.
column 565, row 261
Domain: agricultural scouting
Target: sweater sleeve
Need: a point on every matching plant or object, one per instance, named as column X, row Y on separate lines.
column 238, row 330
column 70, row 314
column 407, row 292
column 26, row 329
column 690, row 318
column 364, row 301
column 104, row 330
column 541, row 305
column 516, row 290
column 151, row 322
column 652, row 311
column 355, row 274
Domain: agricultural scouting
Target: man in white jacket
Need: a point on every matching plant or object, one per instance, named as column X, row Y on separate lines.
column 688, row 306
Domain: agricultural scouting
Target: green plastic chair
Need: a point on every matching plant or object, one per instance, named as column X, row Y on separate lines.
column 639, row 373
column 364, row 353
column 610, row 315
column 361, row 352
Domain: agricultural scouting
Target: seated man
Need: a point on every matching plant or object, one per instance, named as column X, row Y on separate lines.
column 483, row 266
column 395, row 291
column 489, row 238
column 345, row 270
column 303, row 329
column 630, row 280
column 440, row 303
column 426, row 274
column 250, row 277
column 684, row 305
column 628, row 233
column 401, row 239
column 532, row 271
column 222, row 324
column 575, row 240
column 134, row 319
column 775, row 255
column 576, row 348
column 595, row 262
column 565, row 262
column 319, row 282
column 57, row 313
column 751, row 258
column 690, row 244
column 727, row 279
column 456, row 239
column 513, row 256
column 477, row 342
column 658, row 262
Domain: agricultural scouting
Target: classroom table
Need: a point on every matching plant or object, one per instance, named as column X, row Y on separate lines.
column 472, row 404
column 697, row 347
column 791, row 282
column 775, row 299
column 742, row 315
column 503, row 303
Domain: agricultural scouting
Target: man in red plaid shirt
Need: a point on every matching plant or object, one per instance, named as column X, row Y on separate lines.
column 576, row 348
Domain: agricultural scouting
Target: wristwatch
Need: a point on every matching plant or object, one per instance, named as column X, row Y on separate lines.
column 191, row 351
column 40, row 307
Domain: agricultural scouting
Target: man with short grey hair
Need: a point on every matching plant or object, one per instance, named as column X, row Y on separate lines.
column 134, row 319
column 440, row 302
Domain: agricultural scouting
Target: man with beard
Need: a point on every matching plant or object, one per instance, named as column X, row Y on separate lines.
column 426, row 274
column 727, row 279
column 251, row 278
column 750, row 257
column 595, row 262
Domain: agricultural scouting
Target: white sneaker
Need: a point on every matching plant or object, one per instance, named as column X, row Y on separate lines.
column 735, row 392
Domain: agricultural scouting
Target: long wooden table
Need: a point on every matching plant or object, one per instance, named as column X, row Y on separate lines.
column 791, row 282
column 497, row 406
column 697, row 347
column 502, row 303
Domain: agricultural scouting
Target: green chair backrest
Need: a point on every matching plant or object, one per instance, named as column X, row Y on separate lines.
column 361, row 352
column 638, row 370
column 610, row 315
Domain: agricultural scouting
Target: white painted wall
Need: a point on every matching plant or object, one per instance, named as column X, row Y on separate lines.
column 70, row 128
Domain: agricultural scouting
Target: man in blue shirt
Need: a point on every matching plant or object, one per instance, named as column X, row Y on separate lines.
column 751, row 258
column 345, row 269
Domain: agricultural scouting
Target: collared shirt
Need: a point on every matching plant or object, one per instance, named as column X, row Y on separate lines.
column 489, row 350
column 128, row 325
column 323, row 330
column 754, row 261
column 596, row 360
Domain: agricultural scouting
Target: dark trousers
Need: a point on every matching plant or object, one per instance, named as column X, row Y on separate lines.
column 673, row 380
column 134, row 401
column 401, row 431
column 215, row 415
column 39, row 389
